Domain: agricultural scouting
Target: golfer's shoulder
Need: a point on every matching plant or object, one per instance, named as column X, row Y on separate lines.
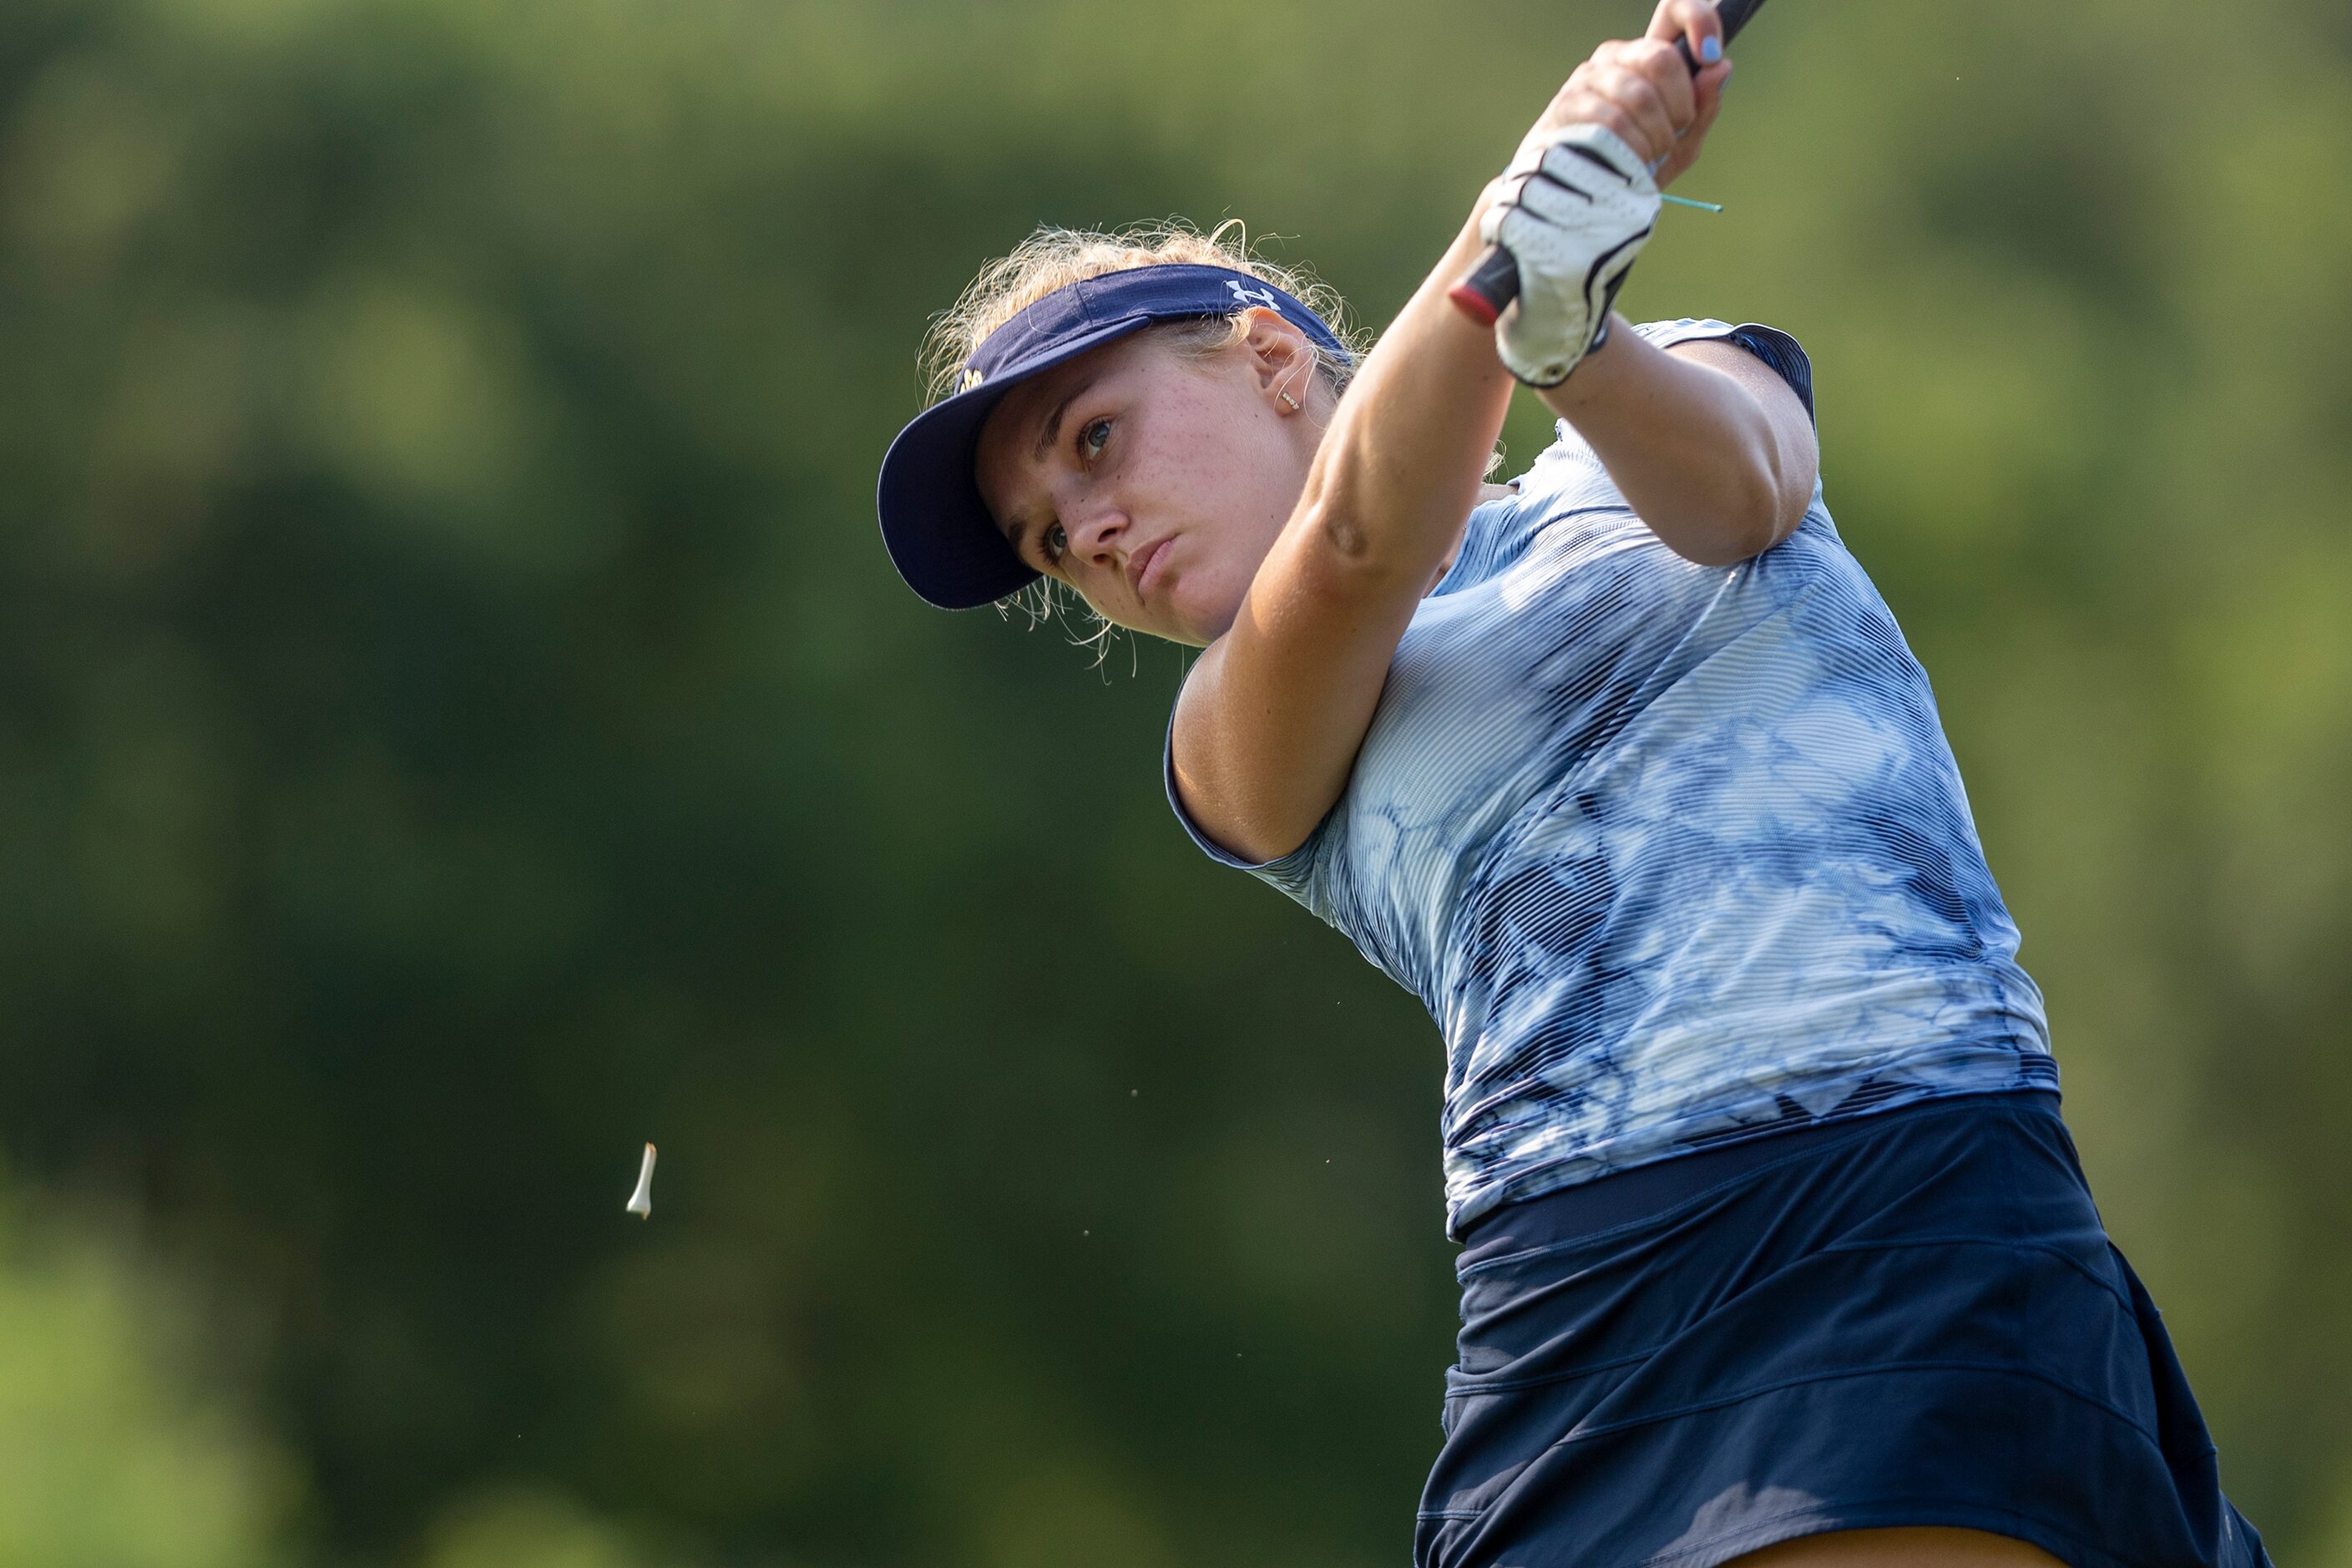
column 1775, row 348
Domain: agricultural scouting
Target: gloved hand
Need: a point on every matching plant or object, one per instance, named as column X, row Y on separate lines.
column 1574, row 209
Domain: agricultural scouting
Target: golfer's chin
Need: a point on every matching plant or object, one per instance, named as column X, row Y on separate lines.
column 1197, row 615
column 1195, row 608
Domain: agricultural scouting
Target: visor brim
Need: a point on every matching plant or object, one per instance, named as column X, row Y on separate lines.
column 938, row 529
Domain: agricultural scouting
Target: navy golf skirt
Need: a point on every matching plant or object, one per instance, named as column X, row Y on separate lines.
column 1910, row 1318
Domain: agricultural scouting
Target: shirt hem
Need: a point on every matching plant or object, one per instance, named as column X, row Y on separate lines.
column 2037, row 1075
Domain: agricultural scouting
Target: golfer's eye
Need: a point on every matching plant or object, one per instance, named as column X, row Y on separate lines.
column 1093, row 437
column 1052, row 543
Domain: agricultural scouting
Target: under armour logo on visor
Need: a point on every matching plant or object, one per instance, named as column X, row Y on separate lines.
column 1254, row 296
column 971, row 379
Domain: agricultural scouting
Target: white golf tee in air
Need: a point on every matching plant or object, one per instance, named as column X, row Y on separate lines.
column 641, row 1201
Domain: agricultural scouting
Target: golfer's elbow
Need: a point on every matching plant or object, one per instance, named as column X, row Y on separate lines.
column 1345, row 527
column 1368, row 561
column 1747, row 505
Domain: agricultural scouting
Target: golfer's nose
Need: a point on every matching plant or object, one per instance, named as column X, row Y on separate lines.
column 1096, row 529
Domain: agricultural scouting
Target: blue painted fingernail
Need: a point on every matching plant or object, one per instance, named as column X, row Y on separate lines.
column 1711, row 51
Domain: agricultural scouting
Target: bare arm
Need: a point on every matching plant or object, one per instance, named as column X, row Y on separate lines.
column 1272, row 716
column 1714, row 450
column 1273, row 713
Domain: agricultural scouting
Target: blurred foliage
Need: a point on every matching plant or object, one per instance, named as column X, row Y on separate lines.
column 114, row 1451
column 457, row 721
column 527, row 1530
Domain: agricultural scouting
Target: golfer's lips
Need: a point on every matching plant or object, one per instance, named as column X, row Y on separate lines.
column 1140, row 561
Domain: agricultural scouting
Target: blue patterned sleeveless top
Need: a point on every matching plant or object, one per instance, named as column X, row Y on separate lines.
column 1675, row 855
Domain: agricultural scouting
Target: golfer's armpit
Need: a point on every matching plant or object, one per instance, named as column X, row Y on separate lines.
column 1795, row 449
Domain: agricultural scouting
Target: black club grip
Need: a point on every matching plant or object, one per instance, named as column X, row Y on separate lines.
column 1492, row 280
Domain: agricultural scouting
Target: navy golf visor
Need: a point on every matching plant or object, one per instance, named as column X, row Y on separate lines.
column 937, row 529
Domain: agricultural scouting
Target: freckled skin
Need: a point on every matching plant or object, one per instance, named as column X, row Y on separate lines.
column 1201, row 452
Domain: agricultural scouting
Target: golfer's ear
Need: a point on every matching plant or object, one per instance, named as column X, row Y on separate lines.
column 1278, row 350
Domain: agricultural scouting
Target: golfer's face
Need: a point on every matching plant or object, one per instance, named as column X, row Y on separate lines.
column 1152, row 482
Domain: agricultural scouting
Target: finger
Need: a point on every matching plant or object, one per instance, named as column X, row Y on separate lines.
column 1582, row 103
column 1687, row 152
column 1553, row 201
column 1694, row 22
column 1706, row 90
column 1608, row 112
column 1659, row 65
column 1638, row 99
column 1611, row 74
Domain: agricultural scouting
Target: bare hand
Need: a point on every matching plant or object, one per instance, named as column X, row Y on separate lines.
column 1640, row 89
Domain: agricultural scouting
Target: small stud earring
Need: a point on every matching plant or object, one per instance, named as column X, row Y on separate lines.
column 1290, row 400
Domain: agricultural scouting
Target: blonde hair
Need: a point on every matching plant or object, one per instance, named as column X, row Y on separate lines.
column 1053, row 259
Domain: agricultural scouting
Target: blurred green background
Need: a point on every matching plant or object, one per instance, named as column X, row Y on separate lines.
column 457, row 721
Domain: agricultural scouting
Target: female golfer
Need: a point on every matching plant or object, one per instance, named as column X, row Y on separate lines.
column 1774, row 1242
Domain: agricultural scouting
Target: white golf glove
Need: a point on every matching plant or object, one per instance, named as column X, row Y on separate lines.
column 1574, row 210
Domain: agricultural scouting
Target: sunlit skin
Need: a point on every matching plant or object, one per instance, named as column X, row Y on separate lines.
column 1158, row 444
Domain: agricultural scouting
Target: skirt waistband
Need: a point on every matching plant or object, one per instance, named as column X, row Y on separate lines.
column 1623, row 1197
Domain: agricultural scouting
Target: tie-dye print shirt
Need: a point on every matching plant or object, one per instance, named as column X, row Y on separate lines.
column 1674, row 854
